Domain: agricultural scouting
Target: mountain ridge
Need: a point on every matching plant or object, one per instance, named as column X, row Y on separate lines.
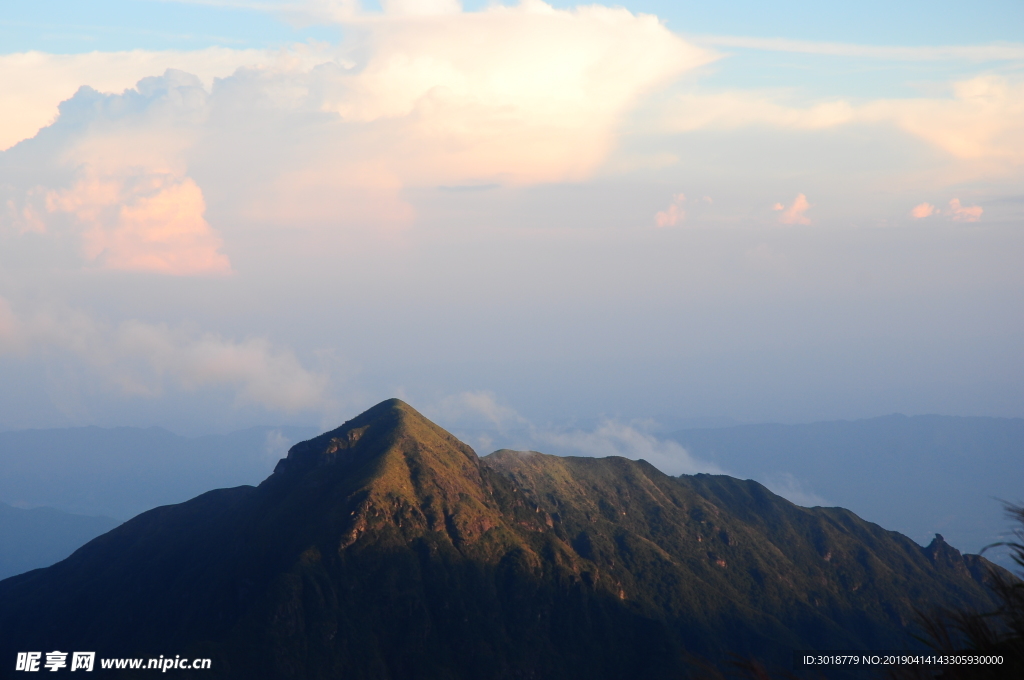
column 921, row 475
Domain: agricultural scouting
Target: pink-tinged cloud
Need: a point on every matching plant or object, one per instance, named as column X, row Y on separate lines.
column 672, row 215
column 423, row 95
column 794, row 214
column 965, row 213
column 923, row 210
column 151, row 223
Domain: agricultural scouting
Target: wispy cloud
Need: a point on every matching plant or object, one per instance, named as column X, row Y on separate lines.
column 1000, row 51
column 138, row 357
column 982, row 119
column 489, row 422
column 613, row 438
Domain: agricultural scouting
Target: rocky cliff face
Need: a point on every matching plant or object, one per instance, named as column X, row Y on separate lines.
column 388, row 549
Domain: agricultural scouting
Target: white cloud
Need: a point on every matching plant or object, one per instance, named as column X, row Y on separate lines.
column 613, row 438
column 420, row 8
column 468, row 100
column 493, row 422
column 138, row 357
column 982, row 119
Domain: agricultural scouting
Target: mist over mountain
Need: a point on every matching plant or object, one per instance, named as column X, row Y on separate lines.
column 388, row 549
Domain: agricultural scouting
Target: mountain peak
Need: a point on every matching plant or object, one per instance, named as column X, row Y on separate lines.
column 369, row 434
column 395, row 468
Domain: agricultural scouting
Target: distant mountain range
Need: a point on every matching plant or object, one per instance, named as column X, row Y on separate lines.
column 39, row 537
column 920, row 475
column 120, row 472
column 387, row 549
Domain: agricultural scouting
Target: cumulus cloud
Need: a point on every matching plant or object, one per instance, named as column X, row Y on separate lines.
column 468, row 102
column 34, row 83
column 144, row 223
column 963, row 213
column 923, row 210
column 420, row 8
column 423, row 95
column 613, row 438
column 673, row 214
column 139, row 358
column 107, row 177
column 794, row 214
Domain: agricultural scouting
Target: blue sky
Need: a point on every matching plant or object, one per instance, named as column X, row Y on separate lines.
column 71, row 27
column 519, row 214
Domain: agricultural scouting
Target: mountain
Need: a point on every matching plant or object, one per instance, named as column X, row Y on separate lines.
column 38, row 537
column 387, row 549
column 919, row 475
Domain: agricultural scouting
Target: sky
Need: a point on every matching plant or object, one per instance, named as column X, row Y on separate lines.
column 222, row 214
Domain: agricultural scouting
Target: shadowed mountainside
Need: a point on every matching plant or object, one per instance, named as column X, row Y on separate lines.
column 388, row 549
